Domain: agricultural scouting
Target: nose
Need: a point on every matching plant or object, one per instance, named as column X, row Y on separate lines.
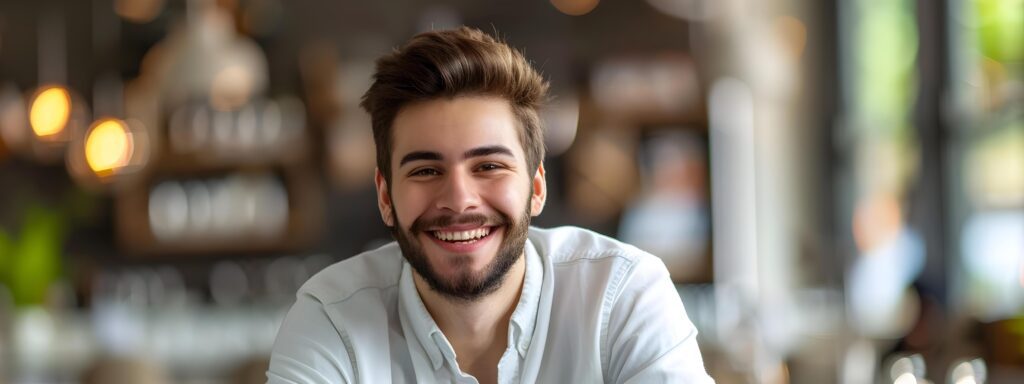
column 458, row 194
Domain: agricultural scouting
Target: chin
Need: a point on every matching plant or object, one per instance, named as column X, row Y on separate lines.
column 451, row 265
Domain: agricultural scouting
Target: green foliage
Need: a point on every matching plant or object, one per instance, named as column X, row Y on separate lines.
column 34, row 260
column 886, row 52
column 1001, row 29
column 5, row 250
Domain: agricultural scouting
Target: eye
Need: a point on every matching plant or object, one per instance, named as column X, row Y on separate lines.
column 489, row 167
column 424, row 172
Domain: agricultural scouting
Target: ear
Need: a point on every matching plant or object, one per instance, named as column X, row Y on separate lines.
column 383, row 198
column 539, row 192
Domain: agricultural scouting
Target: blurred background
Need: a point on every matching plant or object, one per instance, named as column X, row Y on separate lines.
column 837, row 186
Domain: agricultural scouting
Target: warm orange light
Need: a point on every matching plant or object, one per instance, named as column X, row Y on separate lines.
column 876, row 221
column 108, row 146
column 138, row 11
column 575, row 7
column 50, row 111
column 793, row 32
column 231, row 88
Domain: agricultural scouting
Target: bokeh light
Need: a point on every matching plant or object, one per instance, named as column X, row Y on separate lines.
column 108, row 146
column 231, row 88
column 1000, row 28
column 906, row 378
column 575, row 7
column 138, row 11
column 876, row 221
column 50, row 111
column 968, row 372
column 794, row 34
column 108, row 155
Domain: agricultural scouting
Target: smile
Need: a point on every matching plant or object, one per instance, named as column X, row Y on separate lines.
column 466, row 237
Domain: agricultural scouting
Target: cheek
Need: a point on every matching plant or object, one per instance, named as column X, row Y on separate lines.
column 408, row 205
column 510, row 197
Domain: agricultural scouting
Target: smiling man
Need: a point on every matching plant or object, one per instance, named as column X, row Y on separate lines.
column 469, row 292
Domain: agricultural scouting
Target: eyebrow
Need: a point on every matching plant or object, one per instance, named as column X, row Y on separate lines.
column 475, row 152
column 487, row 151
column 419, row 155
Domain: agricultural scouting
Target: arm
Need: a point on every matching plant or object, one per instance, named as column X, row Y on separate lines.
column 308, row 348
column 649, row 337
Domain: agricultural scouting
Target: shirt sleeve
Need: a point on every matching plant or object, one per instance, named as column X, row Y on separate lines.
column 308, row 348
column 649, row 337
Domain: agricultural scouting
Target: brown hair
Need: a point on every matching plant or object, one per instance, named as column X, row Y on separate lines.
column 450, row 63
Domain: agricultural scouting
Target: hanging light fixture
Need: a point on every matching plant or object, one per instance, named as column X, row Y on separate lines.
column 108, row 146
column 106, row 154
column 55, row 114
column 50, row 112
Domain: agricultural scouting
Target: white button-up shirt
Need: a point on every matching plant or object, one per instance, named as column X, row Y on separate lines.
column 592, row 310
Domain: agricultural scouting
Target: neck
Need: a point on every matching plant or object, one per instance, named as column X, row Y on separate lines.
column 478, row 329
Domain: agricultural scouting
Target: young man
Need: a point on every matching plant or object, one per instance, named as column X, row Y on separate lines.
column 469, row 292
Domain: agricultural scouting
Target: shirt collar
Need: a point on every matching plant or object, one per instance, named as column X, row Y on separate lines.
column 428, row 334
column 524, row 318
column 424, row 329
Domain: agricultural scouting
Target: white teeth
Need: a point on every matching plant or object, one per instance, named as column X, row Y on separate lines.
column 462, row 235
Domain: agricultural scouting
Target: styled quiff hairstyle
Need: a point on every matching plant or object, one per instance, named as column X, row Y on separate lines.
column 451, row 63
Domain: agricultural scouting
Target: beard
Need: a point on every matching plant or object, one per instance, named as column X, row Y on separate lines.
column 465, row 285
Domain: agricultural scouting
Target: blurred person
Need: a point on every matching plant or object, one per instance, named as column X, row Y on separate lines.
column 469, row 292
column 670, row 217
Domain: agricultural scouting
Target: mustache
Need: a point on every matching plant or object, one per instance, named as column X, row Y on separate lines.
column 422, row 224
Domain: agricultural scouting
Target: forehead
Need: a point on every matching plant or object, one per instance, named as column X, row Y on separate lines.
column 452, row 126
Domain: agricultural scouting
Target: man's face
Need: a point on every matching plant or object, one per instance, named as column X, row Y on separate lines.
column 460, row 196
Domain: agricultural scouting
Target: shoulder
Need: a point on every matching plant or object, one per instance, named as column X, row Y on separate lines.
column 324, row 331
column 376, row 269
column 573, row 245
column 583, row 259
